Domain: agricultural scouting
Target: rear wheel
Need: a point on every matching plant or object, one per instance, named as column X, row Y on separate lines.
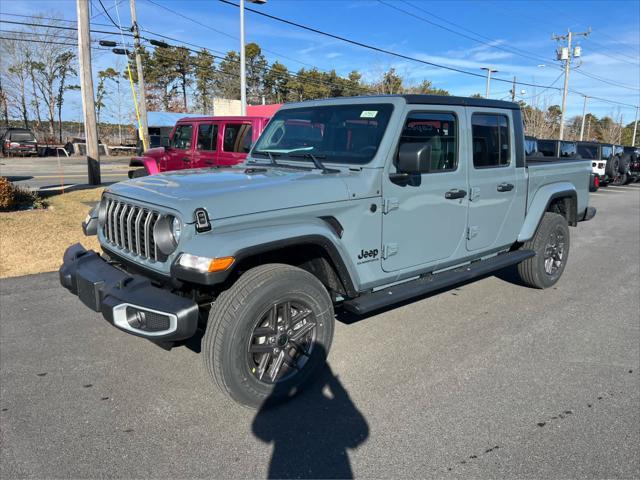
column 613, row 167
column 551, row 246
column 268, row 334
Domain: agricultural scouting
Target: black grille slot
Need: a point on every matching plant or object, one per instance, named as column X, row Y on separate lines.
column 130, row 227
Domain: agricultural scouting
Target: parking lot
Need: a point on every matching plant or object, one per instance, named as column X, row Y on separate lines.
column 490, row 379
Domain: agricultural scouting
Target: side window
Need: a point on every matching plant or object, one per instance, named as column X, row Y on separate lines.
column 491, row 140
column 237, row 138
column 207, row 136
column 182, row 137
column 439, row 130
column 607, row 152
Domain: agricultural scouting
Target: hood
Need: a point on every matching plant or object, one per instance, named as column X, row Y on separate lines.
column 229, row 192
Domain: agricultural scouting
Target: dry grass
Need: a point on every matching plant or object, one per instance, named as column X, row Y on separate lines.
column 34, row 241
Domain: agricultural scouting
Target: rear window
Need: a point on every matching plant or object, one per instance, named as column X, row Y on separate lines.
column 568, row 149
column 237, row 138
column 547, row 148
column 22, row 137
column 490, row 140
column 589, row 152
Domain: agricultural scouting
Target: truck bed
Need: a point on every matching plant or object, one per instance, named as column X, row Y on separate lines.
column 556, row 172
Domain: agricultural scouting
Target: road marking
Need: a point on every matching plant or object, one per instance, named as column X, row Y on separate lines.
column 618, row 187
column 606, row 189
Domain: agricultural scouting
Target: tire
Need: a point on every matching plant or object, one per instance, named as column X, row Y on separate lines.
column 248, row 305
column 623, row 167
column 621, row 179
column 536, row 272
column 613, row 167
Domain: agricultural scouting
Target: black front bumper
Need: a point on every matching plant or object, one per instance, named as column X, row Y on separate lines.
column 129, row 302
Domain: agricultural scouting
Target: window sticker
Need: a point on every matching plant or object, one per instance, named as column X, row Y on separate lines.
column 369, row 114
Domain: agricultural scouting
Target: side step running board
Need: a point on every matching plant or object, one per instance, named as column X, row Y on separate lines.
column 432, row 282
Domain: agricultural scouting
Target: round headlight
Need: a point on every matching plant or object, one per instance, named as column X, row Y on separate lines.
column 165, row 234
column 176, row 229
column 102, row 212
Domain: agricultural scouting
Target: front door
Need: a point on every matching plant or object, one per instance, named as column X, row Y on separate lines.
column 424, row 221
column 492, row 181
column 179, row 154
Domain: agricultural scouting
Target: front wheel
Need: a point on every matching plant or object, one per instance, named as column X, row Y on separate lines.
column 551, row 246
column 268, row 334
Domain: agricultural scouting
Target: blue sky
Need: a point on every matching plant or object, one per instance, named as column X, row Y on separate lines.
column 612, row 51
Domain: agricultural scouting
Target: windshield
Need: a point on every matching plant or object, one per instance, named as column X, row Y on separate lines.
column 336, row 133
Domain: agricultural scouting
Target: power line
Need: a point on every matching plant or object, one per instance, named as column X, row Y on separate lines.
column 106, row 12
column 197, row 22
column 31, row 40
column 374, row 48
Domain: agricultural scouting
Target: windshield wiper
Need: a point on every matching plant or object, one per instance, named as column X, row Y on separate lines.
column 316, row 161
column 272, row 156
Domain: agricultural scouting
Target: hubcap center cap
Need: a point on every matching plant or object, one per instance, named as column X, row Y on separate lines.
column 282, row 340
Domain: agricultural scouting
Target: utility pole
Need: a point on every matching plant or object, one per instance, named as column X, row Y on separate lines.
column 488, row 86
column 513, row 90
column 635, row 129
column 584, row 114
column 86, row 88
column 565, row 54
column 142, row 91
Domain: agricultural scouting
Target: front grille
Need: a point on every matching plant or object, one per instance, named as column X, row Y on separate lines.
column 130, row 227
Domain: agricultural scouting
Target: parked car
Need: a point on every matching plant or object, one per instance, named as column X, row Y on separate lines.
column 558, row 148
column 199, row 142
column 375, row 201
column 632, row 155
column 606, row 161
column 19, row 141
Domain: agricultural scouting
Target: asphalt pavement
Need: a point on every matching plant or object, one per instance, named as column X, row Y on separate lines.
column 49, row 173
column 487, row 380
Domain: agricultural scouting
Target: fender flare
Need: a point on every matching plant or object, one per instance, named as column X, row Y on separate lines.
column 540, row 204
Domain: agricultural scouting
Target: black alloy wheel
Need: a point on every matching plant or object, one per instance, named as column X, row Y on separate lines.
column 282, row 341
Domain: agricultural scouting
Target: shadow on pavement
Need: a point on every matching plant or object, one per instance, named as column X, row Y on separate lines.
column 18, row 178
column 313, row 431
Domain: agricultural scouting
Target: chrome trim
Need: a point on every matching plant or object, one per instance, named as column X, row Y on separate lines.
column 130, row 228
column 120, row 320
column 147, row 222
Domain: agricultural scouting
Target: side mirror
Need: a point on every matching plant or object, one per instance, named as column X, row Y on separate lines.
column 414, row 158
column 165, row 142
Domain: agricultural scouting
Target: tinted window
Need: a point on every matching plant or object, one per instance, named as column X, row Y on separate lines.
column 335, row 133
column 237, row 138
column 606, row 152
column 568, row 149
column 437, row 130
column 182, row 137
column 207, row 136
column 619, row 150
column 589, row 152
column 490, row 140
column 547, row 147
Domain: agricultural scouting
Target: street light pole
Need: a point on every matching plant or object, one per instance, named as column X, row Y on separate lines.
column 243, row 73
column 243, row 66
column 584, row 114
column 488, row 85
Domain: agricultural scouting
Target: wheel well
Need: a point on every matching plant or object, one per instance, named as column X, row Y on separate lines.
column 310, row 257
column 565, row 205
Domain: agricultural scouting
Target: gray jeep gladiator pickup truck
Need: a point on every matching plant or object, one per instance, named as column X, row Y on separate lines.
column 358, row 202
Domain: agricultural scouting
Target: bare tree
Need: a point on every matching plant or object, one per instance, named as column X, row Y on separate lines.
column 610, row 129
column 15, row 71
column 537, row 119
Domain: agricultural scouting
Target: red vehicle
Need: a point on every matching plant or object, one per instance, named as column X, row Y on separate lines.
column 201, row 142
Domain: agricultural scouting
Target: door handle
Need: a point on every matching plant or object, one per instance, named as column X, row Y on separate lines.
column 186, row 159
column 505, row 187
column 455, row 193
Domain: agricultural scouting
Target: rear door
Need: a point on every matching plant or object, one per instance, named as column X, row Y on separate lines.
column 237, row 138
column 179, row 155
column 492, row 181
column 206, row 151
